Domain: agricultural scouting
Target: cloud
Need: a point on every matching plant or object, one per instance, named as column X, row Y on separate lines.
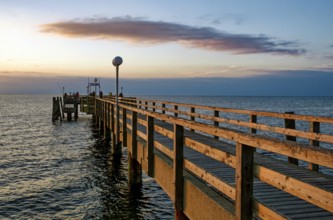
column 141, row 31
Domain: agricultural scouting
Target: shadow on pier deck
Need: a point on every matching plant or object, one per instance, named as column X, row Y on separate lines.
column 220, row 163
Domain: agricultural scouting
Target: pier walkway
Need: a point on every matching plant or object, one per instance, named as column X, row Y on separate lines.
column 221, row 163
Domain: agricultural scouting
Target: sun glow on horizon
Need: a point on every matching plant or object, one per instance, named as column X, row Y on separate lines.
column 204, row 41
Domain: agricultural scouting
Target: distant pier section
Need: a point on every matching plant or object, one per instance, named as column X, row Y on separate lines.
column 67, row 106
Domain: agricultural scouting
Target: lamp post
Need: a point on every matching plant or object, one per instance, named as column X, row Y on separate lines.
column 117, row 61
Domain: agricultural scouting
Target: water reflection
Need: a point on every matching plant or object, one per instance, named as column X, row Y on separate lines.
column 108, row 176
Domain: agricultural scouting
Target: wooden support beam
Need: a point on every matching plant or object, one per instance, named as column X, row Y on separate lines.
column 150, row 145
column 69, row 116
column 244, row 181
column 62, row 109
column 76, row 108
column 314, row 127
column 54, row 109
column 134, row 172
column 290, row 123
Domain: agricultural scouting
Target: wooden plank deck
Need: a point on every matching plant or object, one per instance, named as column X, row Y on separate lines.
column 284, row 203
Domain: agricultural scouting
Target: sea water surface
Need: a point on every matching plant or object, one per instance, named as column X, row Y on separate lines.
column 65, row 170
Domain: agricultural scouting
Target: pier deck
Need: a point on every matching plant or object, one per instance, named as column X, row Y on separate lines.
column 283, row 203
column 212, row 171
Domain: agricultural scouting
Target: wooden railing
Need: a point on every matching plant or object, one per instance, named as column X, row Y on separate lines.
column 211, row 121
column 87, row 104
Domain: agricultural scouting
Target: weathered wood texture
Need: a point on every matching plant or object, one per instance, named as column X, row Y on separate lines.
column 56, row 109
column 237, row 173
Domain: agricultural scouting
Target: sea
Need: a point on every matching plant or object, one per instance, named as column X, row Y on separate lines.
column 64, row 170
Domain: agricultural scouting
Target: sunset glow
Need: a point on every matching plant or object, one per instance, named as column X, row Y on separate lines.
column 43, row 39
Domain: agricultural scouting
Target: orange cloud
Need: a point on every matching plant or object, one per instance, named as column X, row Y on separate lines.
column 149, row 32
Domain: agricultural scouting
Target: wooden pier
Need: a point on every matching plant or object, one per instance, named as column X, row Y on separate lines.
column 69, row 104
column 221, row 163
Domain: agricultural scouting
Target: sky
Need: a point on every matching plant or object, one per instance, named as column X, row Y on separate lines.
column 220, row 47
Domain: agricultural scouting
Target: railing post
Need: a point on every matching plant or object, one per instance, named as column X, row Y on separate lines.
column 176, row 108
column 163, row 108
column 154, row 109
column 150, row 145
column 178, row 166
column 124, row 127
column 216, row 123
column 98, row 110
column 104, row 119
column 96, row 114
column 107, row 133
column 134, row 134
column 314, row 127
column 116, row 144
column 62, row 115
column 290, row 124
column 192, row 117
column 244, row 181
column 113, row 134
column 253, row 119
column 76, row 108
column 146, row 105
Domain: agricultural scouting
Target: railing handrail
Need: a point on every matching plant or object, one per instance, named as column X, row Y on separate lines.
column 300, row 117
column 245, row 144
column 283, row 147
column 310, row 135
